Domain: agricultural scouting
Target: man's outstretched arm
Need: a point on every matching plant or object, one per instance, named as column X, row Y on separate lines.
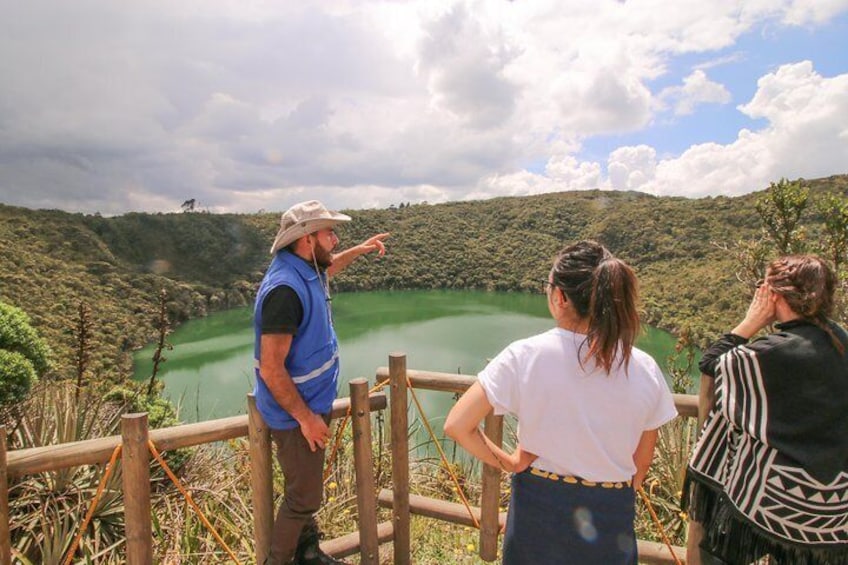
column 346, row 257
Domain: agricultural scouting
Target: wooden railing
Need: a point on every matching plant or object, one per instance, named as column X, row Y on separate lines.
column 136, row 460
column 487, row 515
column 133, row 438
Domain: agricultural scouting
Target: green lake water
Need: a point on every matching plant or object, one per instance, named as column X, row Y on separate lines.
column 210, row 370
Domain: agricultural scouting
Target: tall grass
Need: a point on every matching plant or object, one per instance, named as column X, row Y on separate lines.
column 46, row 508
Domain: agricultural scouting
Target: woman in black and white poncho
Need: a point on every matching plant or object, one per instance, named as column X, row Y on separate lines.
column 769, row 475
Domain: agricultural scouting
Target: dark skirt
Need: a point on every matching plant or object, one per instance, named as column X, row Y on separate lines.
column 554, row 522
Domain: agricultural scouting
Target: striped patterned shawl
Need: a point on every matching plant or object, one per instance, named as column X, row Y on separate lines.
column 769, row 474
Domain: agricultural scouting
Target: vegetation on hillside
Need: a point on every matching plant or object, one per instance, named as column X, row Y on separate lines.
column 95, row 288
column 52, row 261
column 685, row 252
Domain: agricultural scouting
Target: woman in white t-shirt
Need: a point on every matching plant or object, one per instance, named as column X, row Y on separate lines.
column 588, row 405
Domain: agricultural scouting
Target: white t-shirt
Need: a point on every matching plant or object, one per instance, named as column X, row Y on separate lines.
column 579, row 420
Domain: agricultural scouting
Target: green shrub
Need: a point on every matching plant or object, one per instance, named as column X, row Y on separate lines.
column 17, row 375
column 24, row 356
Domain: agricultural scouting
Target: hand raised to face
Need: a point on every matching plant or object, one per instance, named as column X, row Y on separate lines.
column 761, row 312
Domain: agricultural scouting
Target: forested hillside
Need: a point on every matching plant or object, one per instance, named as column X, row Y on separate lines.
column 51, row 261
column 682, row 250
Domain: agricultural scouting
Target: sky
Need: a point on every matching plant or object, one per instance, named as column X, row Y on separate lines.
column 245, row 105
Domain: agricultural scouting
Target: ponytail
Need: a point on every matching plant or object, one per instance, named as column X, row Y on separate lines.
column 603, row 290
column 613, row 314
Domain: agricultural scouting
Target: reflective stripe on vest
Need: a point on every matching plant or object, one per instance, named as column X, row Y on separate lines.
column 299, row 379
column 317, row 372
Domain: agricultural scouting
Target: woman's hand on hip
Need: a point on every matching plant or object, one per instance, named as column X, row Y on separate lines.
column 520, row 459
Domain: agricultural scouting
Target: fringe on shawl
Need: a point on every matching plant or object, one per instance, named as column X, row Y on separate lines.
column 730, row 536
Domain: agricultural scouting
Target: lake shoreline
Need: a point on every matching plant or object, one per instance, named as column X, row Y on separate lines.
column 453, row 331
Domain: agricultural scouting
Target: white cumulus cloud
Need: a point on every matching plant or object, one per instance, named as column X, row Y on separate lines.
column 697, row 89
column 630, row 168
column 807, row 116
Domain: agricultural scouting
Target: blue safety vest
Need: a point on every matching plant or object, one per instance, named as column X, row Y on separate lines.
column 313, row 359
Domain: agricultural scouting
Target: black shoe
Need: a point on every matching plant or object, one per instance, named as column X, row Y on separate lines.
column 309, row 552
column 314, row 556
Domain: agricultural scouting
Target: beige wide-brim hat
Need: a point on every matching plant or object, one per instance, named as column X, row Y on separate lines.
column 303, row 219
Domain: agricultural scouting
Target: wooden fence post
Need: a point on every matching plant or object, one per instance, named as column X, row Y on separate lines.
column 695, row 531
column 135, row 459
column 261, row 483
column 366, row 495
column 399, row 425
column 5, row 536
column 706, row 399
column 491, row 494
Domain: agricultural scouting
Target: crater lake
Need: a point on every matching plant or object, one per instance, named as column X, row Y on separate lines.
column 209, row 372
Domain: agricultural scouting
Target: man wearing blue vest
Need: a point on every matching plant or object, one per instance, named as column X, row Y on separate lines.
column 297, row 367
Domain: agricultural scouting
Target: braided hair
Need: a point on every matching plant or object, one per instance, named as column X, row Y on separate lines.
column 807, row 284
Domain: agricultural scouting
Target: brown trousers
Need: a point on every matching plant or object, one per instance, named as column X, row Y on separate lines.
column 304, row 489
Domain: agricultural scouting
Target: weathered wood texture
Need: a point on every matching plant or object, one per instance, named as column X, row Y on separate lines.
column 348, row 545
column 262, row 491
column 429, row 380
column 491, row 494
column 399, row 425
column 5, row 537
column 687, row 404
column 441, row 510
column 94, row 451
column 135, row 472
column 363, row 461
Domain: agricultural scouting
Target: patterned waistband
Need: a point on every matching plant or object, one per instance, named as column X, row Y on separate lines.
column 572, row 480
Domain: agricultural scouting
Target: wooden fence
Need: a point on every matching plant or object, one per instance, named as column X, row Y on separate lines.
column 136, row 460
